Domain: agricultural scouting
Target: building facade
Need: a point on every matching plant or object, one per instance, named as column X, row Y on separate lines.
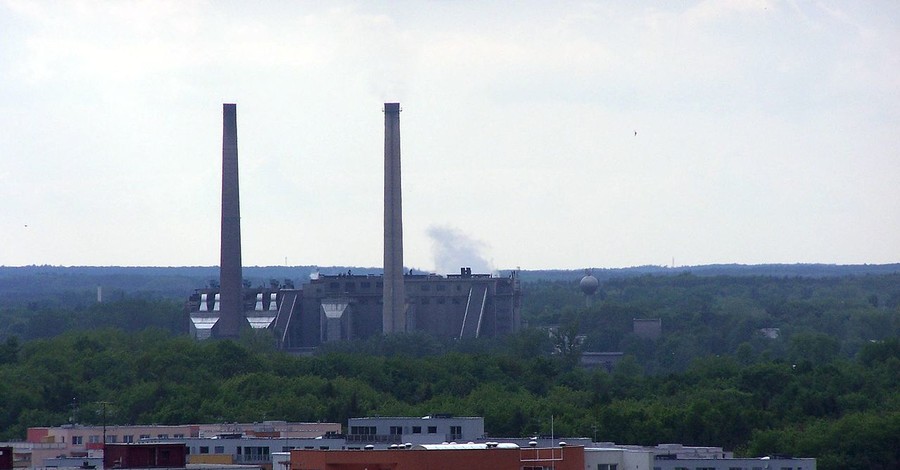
column 488, row 456
column 385, row 431
column 348, row 306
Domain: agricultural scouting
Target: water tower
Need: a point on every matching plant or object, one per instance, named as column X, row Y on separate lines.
column 589, row 285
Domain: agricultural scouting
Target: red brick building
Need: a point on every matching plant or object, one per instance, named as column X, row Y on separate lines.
column 442, row 457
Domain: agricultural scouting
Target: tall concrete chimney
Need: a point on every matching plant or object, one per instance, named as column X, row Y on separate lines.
column 231, row 309
column 394, row 301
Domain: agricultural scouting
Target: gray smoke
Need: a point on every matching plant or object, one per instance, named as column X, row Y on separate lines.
column 453, row 250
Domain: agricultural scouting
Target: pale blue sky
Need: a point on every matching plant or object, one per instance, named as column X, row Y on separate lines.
column 767, row 131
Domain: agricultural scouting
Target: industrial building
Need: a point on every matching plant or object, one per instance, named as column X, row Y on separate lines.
column 347, row 306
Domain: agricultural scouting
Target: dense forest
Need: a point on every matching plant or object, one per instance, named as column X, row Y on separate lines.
column 825, row 387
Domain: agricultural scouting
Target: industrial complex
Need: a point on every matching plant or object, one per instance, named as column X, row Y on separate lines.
column 348, row 306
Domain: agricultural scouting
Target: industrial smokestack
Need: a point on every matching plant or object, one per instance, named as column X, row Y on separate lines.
column 394, row 301
column 231, row 309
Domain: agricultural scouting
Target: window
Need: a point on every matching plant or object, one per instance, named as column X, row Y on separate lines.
column 95, row 439
column 365, row 430
column 432, row 429
column 260, row 453
column 111, row 439
column 417, row 429
column 455, row 432
column 162, row 436
column 606, row 466
column 396, row 430
column 204, row 449
column 219, row 449
column 145, row 436
column 178, row 436
column 365, row 284
column 128, row 439
column 77, row 440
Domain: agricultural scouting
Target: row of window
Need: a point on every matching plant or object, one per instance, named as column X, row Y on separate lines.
column 421, row 300
column 398, row 430
column 613, row 467
column 216, row 449
column 112, row 438
column 350, row 286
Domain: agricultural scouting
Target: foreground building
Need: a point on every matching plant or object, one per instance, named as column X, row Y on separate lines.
column 493, row 456
column 429, row 442
column 53, row 446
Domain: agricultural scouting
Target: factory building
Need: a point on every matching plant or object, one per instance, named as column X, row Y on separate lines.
column 347, row 306
column 344, row 307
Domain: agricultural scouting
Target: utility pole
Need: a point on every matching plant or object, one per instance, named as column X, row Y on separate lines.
column 103, row 405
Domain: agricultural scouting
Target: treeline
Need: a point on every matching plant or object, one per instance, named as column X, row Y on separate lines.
column 845, row 412
column 722, row 315
column 825, row 387
column 128, row 314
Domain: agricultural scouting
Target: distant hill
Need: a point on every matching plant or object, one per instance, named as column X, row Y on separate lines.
column 767, row 270
column 56, row 285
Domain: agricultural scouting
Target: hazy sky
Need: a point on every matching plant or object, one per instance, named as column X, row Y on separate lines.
column 534, row 134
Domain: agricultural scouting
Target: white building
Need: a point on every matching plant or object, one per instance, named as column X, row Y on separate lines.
column 434, row 429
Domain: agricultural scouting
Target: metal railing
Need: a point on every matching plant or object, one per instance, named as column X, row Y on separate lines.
column 374, row 438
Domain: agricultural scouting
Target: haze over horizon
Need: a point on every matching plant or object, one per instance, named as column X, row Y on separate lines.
column 540, row 136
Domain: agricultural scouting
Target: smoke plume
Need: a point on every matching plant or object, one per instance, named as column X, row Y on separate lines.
column 452, row 250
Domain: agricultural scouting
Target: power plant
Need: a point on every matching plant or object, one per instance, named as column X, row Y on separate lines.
column 348, row 306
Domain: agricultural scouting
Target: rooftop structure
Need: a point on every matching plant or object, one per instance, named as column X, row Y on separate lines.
column 426, row 430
